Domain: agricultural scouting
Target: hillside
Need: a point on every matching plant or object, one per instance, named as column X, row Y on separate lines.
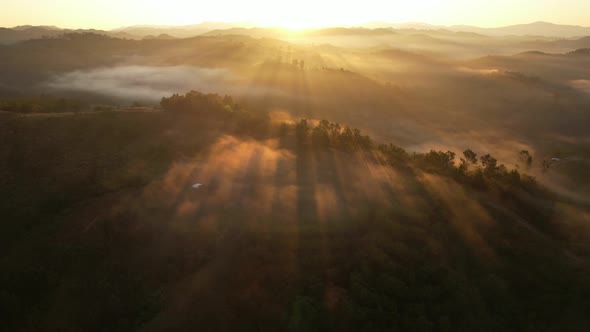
column 309, row 166
column 299, row 226
column 24, row 33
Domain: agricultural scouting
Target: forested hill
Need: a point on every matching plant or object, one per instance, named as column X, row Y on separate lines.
column 299, row 225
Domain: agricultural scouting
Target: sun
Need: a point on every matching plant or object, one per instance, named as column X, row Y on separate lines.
column 292, row 23
column 297, row 26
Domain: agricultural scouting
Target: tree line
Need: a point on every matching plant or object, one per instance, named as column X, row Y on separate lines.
column 478, row 171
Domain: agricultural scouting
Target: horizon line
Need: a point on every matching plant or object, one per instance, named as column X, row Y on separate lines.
column 249, row 25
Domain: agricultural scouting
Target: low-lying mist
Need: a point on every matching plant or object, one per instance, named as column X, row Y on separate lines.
column 148, row 83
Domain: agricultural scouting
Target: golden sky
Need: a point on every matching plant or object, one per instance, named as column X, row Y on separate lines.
column 108, row 14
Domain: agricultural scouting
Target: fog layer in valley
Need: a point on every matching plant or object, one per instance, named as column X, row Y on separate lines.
column 142, row 82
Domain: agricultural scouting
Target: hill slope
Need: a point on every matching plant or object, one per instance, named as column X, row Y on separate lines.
column 297, row 227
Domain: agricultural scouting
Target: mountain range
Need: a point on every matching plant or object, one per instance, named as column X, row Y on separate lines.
column 545, row 29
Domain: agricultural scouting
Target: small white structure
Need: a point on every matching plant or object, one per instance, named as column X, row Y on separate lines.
column 554, row 159
column 197, row 185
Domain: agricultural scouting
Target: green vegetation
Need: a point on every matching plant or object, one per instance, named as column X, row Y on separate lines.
column 101, row 231
column 41, row 104
column 331, row 135
column 218, row 108
column 326, row 135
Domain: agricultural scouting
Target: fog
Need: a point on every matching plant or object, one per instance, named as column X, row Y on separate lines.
column 148, row 83
column 583, row 85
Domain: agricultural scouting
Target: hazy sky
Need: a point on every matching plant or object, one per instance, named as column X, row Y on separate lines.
column 107, row 14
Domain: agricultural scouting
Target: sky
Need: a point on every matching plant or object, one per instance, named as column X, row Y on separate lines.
column 110, row 14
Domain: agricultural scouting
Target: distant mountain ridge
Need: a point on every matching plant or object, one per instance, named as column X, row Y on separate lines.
column 544, row 29
column 181, row 31
column 22, row 33
column 536, row 29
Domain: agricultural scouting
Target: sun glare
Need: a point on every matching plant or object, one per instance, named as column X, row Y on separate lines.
column 295, row 15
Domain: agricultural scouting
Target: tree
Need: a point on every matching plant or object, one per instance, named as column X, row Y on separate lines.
column 451, row 157
column 195, row 101
column 228, row 100
column 489, row 163
column 438, row 161
column 302, row 131
column 514, row 177
column 525, row 158
column 335, row 130
column 347, row 138
column 463, row 167
column 324, row 124
column 283, row 129
column 320, row 137
column 306, row 315
column 393, row 154
column 361, row 141
column 470, row 156
column 478, row 180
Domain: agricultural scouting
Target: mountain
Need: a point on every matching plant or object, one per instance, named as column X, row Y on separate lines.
column 532, row 29
column 181, row 31
column 315, row 224
column 251, row 32
column 537, row 29
column 281, row 32
column 26, row 27
column 581, row 51
column 349, row 31
column 162, row 36
column 405, row 25
column 27, row 32
column 9, row 36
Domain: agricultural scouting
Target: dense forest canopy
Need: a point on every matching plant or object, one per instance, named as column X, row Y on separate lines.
column 302, row 225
